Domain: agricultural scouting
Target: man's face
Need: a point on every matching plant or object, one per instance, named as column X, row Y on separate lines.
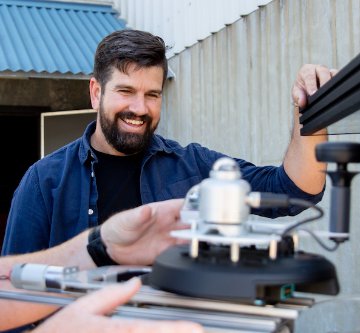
column 129, row 108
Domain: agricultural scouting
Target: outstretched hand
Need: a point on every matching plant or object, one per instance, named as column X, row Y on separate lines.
column 309, row 79
column 87, row 315
column 138, row 236
column 300, row 162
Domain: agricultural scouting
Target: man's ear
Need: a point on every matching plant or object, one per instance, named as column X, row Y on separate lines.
column 95, row 93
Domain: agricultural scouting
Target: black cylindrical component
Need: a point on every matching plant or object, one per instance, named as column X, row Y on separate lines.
column 341, row 153
column 340, row 210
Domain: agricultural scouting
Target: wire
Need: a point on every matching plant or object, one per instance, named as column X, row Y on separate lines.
column 320, row 242
column 307, row 204
column 304, row 203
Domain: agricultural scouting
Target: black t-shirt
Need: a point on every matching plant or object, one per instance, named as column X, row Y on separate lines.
column 118, row 183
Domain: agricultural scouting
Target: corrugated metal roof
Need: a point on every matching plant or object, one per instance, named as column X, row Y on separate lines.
column 42, row 37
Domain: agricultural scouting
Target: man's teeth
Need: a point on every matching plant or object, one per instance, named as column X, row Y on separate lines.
column 134, row 122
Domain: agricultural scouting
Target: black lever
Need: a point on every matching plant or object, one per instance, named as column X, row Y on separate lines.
column 340, row 153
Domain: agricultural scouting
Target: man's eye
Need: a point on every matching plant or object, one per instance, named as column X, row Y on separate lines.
column 154, row 95
column 124, row 91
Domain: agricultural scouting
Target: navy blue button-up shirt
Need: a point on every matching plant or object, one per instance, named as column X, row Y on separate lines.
column 56, row 199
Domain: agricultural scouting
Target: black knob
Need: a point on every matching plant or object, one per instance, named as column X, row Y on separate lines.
column 340, row 153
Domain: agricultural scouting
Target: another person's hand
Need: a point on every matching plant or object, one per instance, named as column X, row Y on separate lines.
column 88, row 315
column 309, row 79
column 138, row 236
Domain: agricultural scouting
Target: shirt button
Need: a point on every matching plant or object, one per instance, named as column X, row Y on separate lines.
column 92, row 175
column 90, row 211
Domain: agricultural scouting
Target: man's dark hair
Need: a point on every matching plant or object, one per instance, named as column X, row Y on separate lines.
column 127, row 47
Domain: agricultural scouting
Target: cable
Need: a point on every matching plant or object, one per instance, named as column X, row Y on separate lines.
column 307, row 204
column 258, row 199
column 320, row 242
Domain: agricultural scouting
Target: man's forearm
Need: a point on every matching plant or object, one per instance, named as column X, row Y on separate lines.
column 300, row 161
column 71, row 253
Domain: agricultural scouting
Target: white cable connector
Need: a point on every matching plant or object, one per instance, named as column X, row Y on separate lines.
column 253, row 199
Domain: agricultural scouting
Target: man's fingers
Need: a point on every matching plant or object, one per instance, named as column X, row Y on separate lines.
column 181, row 226
column 307, row 78
column 87, row 314
column 299, row 97
column 310, row 78
column 323, row 74
column 105, row 300
column 180, row 241
column 304, row 86
column 145, row 326
column 172, row 208
column 135, row 219
column 333, row 72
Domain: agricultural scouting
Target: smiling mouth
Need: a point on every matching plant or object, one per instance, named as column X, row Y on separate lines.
column 134, row 122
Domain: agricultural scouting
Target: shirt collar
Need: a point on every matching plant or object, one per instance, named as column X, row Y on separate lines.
column 157, row 145
column 85, row 151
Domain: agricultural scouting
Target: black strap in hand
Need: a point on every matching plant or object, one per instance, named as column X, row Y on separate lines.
column 97, row 249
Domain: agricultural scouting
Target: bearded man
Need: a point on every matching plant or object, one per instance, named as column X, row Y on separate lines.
column 120, row 163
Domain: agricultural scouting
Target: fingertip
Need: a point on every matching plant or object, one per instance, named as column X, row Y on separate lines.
column 333, row 72
column 191, row 327
column 198, row 329
column 296, row 94
column 179, row 202
column 133, row 283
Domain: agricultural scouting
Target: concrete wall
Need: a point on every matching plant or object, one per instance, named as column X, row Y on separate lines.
column 232, row 94
column 54, row 94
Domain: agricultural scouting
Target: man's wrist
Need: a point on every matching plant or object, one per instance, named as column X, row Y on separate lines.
column 97, row 249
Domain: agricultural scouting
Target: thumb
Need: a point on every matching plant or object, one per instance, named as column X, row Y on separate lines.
column 105, row 300
column 128, row 220
column 140, row 216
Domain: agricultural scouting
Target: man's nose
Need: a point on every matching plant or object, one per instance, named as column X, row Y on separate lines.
column 138, row 105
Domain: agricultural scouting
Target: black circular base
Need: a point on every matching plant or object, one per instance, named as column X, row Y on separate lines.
column 254, row 277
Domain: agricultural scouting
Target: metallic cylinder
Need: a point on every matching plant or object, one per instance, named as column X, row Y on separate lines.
column 223, row 198
column 30, row 277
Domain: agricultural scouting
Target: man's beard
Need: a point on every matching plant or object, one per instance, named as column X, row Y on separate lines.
column 124, row 142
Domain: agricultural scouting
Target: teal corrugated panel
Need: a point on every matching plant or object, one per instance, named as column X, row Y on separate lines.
column 46, row 36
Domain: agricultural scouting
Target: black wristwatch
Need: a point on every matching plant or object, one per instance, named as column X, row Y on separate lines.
column 97, row 249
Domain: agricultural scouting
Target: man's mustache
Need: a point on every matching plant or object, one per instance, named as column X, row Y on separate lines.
column 131, row 115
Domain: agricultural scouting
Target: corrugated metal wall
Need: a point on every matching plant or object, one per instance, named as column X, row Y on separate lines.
column 232, row 94
column 232, row 90
column 182, row 23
